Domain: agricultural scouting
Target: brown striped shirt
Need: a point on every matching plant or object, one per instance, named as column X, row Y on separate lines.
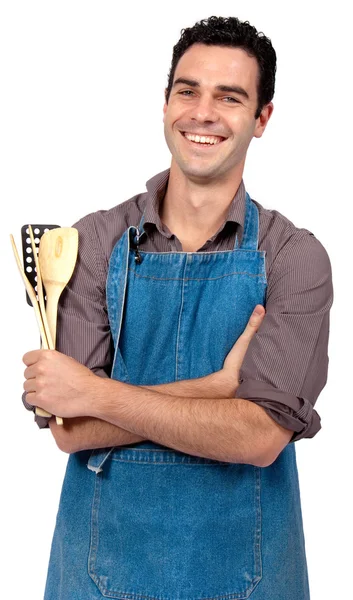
column 285, row 367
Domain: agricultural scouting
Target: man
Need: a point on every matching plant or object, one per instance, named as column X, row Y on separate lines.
column 191, row 490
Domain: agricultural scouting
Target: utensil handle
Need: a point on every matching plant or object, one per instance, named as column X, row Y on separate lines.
column 52, row 313
column 30, row 291
column 40, row 412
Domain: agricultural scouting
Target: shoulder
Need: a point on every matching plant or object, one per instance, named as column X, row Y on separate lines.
column 289, row 246
column 299, row 273
column 103, row 228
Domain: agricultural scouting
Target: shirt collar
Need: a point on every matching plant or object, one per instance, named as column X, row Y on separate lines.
column 156, row 189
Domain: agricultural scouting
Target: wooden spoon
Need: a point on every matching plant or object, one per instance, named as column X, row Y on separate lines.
column 57, row 258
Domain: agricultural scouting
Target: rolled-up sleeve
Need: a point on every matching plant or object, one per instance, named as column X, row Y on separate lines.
column 285, row 367
column 83, row 330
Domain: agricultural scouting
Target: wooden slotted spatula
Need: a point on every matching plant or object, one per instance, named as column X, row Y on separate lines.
column 49, row 342
column 57, row 258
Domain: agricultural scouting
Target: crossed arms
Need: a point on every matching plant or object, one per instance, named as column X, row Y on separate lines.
column 199, row 416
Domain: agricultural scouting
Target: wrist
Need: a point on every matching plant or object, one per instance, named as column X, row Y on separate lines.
column 94, row 395
column 103, row 394
column 228, row 382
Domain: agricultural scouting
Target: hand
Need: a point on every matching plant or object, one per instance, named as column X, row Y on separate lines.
column 234, row 359
column 58, row 383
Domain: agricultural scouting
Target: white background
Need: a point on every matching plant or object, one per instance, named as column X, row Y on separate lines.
column 81, row 129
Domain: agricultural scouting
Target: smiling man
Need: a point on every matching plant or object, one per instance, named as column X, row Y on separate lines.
column 180, row 420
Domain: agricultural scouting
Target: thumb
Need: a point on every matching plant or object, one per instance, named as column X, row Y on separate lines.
column 254, row 322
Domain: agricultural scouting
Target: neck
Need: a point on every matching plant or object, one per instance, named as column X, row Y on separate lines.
column 195, row 210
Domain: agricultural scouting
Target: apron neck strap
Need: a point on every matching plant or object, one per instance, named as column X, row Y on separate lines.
column 139, row 231
column 250, row 239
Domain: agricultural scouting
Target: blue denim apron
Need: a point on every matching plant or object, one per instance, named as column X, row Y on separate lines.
column 145, row 522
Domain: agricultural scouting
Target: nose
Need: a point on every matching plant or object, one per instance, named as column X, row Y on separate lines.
column 204, row 109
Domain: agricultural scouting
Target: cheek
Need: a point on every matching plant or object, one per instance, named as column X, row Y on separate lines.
column 239, row 122
column 168, row 120
column 175, row 114
column 244, row 128
column 166, row 116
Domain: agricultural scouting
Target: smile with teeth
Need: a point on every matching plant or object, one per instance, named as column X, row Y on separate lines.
column 208, row 140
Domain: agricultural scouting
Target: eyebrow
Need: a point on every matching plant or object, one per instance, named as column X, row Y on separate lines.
column 235, row 89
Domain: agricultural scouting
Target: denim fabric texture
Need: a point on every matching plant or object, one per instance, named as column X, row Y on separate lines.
column 150, row 523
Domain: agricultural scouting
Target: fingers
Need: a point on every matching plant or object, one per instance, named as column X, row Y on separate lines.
column 30, row 358
column 254, row 322
column 30, row 386
column 30, row 372
column 30, row 398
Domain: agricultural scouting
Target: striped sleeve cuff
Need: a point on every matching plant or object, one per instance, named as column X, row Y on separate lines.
column 291, row 412
column 42, row 422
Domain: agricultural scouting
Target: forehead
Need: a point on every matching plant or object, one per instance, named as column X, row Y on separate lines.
column 219, row 65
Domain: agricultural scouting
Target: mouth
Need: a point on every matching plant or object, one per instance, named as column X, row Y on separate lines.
column 203, row 141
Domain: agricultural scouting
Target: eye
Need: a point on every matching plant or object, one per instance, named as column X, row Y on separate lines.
column 186, row 92
column 230, row 100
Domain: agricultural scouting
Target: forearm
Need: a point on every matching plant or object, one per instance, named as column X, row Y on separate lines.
column 89, row 433
column 84, row 433
column 203, row 418
column 232, row 430
column 221, row 384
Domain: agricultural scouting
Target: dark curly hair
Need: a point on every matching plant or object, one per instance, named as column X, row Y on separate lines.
column 230, row 32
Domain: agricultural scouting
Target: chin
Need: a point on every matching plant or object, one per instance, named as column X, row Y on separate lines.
column 199, row 172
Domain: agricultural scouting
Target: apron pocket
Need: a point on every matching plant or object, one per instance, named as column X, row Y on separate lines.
column 167, row 525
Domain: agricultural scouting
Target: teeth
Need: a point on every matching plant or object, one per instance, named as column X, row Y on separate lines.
column 202, row 139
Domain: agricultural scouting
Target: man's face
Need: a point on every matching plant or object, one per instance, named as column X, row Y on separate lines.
column 214, row 96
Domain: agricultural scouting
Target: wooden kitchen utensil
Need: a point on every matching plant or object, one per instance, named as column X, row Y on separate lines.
column 57, row 258
column 32, row 296
column 39, row 411
column 31, row 293
column 40, row 292
column 38, row 230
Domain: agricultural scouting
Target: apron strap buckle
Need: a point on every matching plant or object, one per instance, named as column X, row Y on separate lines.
column 136, row 241
column 138, row 258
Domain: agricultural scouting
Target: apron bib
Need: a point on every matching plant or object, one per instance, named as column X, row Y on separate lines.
column 162, row 524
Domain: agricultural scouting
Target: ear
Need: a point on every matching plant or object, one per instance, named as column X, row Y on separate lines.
column 263, row 119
